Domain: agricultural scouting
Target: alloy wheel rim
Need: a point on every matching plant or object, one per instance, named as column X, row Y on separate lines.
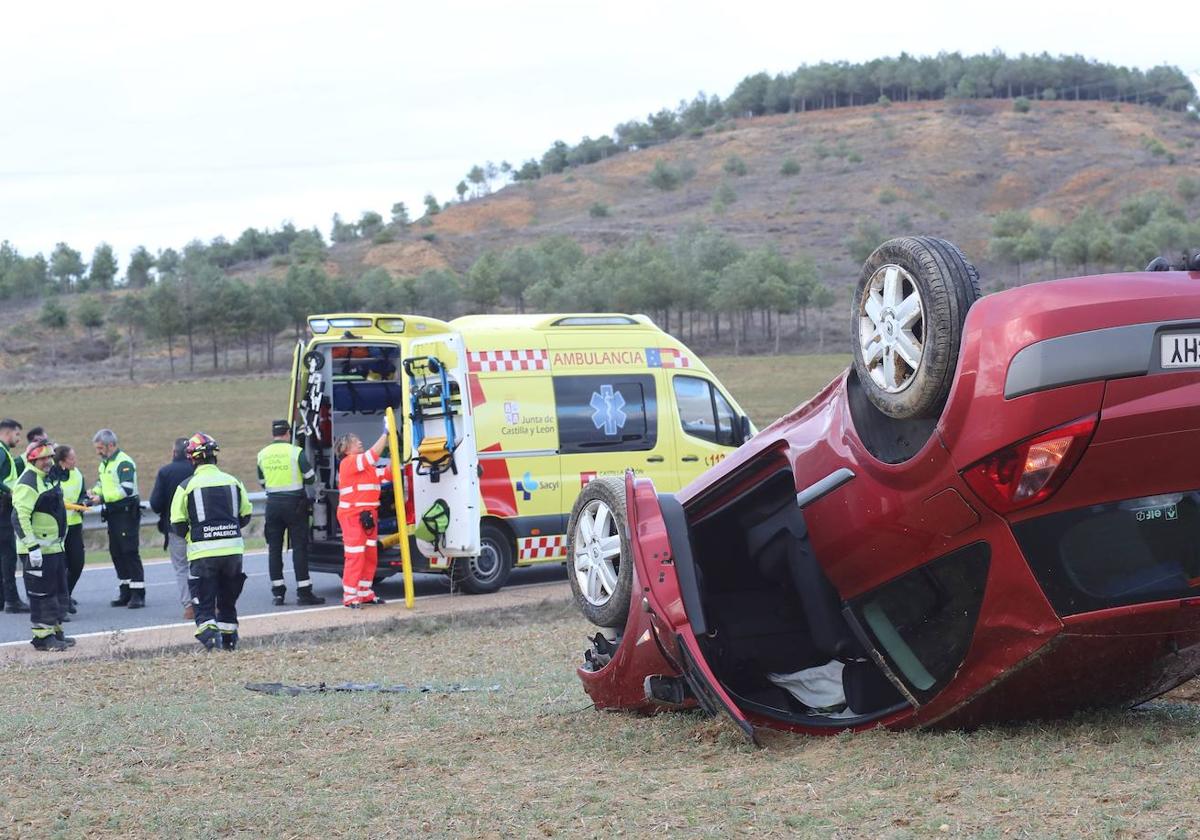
column 597, row 559
column 891, row 328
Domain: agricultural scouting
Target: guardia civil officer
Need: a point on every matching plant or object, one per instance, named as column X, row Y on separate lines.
column 39, row 519
column 210, row 509
column 117, row 490
column 10, row 470
column 284, row 472
column 69, row 477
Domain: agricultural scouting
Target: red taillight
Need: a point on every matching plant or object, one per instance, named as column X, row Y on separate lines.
column 1030, row 471
column 410, row 513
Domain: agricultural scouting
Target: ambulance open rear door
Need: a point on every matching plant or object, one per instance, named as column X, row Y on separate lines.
column 442, row 448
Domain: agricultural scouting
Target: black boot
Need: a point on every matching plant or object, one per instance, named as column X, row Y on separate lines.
column 64, row 638
column 277, row 599
column 122, row 599
column 137, row 599
column 48, row 643
column 306, row 598
column 15, row 605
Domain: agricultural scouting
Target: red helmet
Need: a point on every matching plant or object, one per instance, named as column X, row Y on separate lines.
column 37, row 450
column 201, row 445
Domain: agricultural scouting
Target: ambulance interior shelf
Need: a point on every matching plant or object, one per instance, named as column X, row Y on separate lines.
column 433, row 396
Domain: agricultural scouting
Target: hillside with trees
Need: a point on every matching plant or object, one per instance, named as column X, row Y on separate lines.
column 738, row 232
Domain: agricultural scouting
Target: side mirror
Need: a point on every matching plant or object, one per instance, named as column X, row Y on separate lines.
column 742, row 430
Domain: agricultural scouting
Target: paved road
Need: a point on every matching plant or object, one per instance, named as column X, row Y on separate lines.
column 99, row 585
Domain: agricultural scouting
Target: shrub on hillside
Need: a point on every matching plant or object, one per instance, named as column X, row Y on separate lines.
column 723, row 197
column 884, row 100
column 735, row 166
column 598, row 210
column 384, row 237
column 790, row 167
column 1022, row 105
column 888, row 196
column 666, row 177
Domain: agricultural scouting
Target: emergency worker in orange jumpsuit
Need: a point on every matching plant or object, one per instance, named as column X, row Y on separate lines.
column 358, row 514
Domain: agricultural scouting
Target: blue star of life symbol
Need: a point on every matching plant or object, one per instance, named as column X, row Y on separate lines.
column 607, row 413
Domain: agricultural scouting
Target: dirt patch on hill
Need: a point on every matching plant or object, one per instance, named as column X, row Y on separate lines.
column 496, row 212
column 406, row 258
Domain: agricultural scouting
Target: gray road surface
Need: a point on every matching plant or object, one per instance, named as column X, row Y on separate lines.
column 98, row 586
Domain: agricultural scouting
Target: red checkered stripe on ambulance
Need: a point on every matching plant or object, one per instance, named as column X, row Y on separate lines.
column 541, row 548
column 493, row 361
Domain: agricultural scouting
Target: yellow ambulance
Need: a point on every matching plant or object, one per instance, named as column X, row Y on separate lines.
column 554, row 402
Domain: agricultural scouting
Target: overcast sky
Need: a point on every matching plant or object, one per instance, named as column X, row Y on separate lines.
column 154, row 123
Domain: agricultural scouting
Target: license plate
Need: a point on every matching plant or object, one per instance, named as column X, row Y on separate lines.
column 1181, row 350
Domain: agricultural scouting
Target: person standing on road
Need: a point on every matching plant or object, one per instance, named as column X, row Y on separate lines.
column 70, row 478
column 40, row 522
column 358, row 511
column 10, row 471
column 284, row 472
column 117, row 490
column 169, row 477
column 210, row 508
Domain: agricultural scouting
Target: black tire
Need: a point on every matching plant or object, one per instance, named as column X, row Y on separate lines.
column 946, row 285
column 490, row 570
column 614, row 609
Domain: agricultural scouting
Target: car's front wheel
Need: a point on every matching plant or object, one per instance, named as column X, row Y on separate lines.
column 908, row 312
column 489, row 570
column 599, row 554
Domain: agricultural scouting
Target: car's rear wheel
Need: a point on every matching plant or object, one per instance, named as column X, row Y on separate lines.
column 909, row 307
column 599, row 554
column 489, row 570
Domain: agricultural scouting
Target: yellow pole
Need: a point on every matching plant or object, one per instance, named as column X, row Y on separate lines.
column 401, row 515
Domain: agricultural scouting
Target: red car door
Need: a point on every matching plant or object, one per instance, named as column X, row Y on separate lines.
column 662, row 555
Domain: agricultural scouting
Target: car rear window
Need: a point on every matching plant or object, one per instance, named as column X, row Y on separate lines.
column 606, row 413
column 923, row 621
column 1128, row 552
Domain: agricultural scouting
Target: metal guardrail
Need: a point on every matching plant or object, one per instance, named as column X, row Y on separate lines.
column 91, row 516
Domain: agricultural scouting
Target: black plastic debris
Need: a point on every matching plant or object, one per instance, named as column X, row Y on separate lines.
column 323, row 688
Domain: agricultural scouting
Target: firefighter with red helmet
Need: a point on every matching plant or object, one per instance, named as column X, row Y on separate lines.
column 39, row 520
column 210, row 508
column 358, row 516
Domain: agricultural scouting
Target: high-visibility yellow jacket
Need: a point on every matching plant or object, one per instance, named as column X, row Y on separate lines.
column 210, row 508
column 117, row 480
column 39, row 518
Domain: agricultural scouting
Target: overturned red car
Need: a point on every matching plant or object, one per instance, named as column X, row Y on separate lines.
column 994, row 514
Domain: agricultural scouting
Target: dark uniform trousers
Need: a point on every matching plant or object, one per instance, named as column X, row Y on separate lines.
column 287, row 513
column 124, row 519
column 215, row 584
column 47, row 590
column 8, row 555
column 73, row 547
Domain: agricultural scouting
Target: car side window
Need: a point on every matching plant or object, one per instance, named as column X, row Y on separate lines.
column 703, row 410
column 614, row 413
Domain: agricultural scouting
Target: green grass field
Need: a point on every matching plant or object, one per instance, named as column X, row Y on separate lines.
column 174, row 746
column 238, row 411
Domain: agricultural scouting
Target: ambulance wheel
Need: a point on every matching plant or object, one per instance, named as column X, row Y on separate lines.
column 907, row 321
column 599, row 555
column 488, row 571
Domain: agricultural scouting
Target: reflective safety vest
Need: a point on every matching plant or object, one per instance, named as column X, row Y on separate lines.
column 9, row 471
column 118, row 479
column 39, row 518
column 213, row 505
column 283, row 468
column 72, row 491
column 358, row 483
